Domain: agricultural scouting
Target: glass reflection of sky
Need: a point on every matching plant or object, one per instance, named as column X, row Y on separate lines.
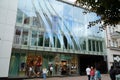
column 69, row 19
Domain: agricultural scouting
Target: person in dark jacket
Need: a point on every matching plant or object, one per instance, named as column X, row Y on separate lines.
column 112, row 73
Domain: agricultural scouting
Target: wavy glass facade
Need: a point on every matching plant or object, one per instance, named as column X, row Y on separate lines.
column 54, row 24
column 55, row 32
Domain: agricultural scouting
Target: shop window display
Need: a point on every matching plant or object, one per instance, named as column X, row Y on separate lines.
column 36, row 63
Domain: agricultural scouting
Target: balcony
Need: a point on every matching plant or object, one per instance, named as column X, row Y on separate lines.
column 115, row 48
column 115, row 35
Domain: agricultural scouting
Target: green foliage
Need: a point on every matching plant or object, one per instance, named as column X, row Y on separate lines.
column 109, row 10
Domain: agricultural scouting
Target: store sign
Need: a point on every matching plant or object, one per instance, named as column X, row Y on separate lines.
column 65, row 57
column 116, row 58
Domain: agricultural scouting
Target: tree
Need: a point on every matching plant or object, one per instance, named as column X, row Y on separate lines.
column 109, row 10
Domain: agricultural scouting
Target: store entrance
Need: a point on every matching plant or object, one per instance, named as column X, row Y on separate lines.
column 92, row 60
column 64, row 68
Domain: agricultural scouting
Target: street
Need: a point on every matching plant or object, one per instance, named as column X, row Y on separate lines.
column 104, row 77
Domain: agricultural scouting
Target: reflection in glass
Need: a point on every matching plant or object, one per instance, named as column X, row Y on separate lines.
column 19, row 16
column 35, row 21
column 89, row 45
column 68, row 23
column 84, row 45
column 54, row 39
column 40, row 39
column 47, row 40
column 34, row 38
column 18, row 31
column 65, row 42
column 58, row 43
column 25, row 37
column 17, row 36
column 97, row 46
column 93, row 45
column 101, row 46
column 26, row 19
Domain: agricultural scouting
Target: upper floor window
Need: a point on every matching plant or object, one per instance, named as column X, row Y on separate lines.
column 26, row 19
column 94, row 45
column 35, row 21
column 46, row 40
column 19, row 16
column 17, row 37
column 34, row 38
column 25, row 37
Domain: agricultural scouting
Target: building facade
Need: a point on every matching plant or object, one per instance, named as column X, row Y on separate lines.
column 49, row 33
column 8, row 11
column 113, row 45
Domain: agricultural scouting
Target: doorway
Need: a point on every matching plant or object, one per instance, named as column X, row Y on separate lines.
column 92, row 60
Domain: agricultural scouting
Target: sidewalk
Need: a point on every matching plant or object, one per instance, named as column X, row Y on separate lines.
column 104, row 77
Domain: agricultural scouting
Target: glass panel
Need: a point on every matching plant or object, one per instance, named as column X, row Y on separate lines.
column 84, row 45
column 58, row 43
column 19, row 16
column 35, row 21
column 75, row 45
column 25, row 37
column 89, row 45
column 65, row 42
column 18, row 31
column 64, row 18
column 101, row 46
column 14, row 64
column 40, row 39
column 17, row 36
column 97, row 46
column 93, row 45
column 54, row 39
column 34, row 38
column 26, row 19
column 46, row 40
column 69, row 45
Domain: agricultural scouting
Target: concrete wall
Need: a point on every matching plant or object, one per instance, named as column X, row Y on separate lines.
column 8, row 10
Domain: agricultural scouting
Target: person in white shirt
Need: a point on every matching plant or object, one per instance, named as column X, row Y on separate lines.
column 88, row 72
column 44, row 73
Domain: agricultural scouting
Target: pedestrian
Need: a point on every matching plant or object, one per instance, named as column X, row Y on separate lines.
column 31, row 71
column 44, row 72
column 112, row 73
column 97, row 74
column 51, row 70
column 92, row 73
column 88, row 72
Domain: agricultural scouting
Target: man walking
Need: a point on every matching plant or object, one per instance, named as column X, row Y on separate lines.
column 88, row 72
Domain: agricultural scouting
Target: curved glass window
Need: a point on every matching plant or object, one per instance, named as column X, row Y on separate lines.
column 25, row 37
column 64, row 25
column 97, row 46
column 35, row 21
column 58, row 43
column 26, row 19
column 18, row 35
column 34, row 38
column 47, row 40
column 19, row 16
column 40, row 39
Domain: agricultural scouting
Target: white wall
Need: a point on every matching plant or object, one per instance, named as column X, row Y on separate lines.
column 110, row 54
column 8, row 10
